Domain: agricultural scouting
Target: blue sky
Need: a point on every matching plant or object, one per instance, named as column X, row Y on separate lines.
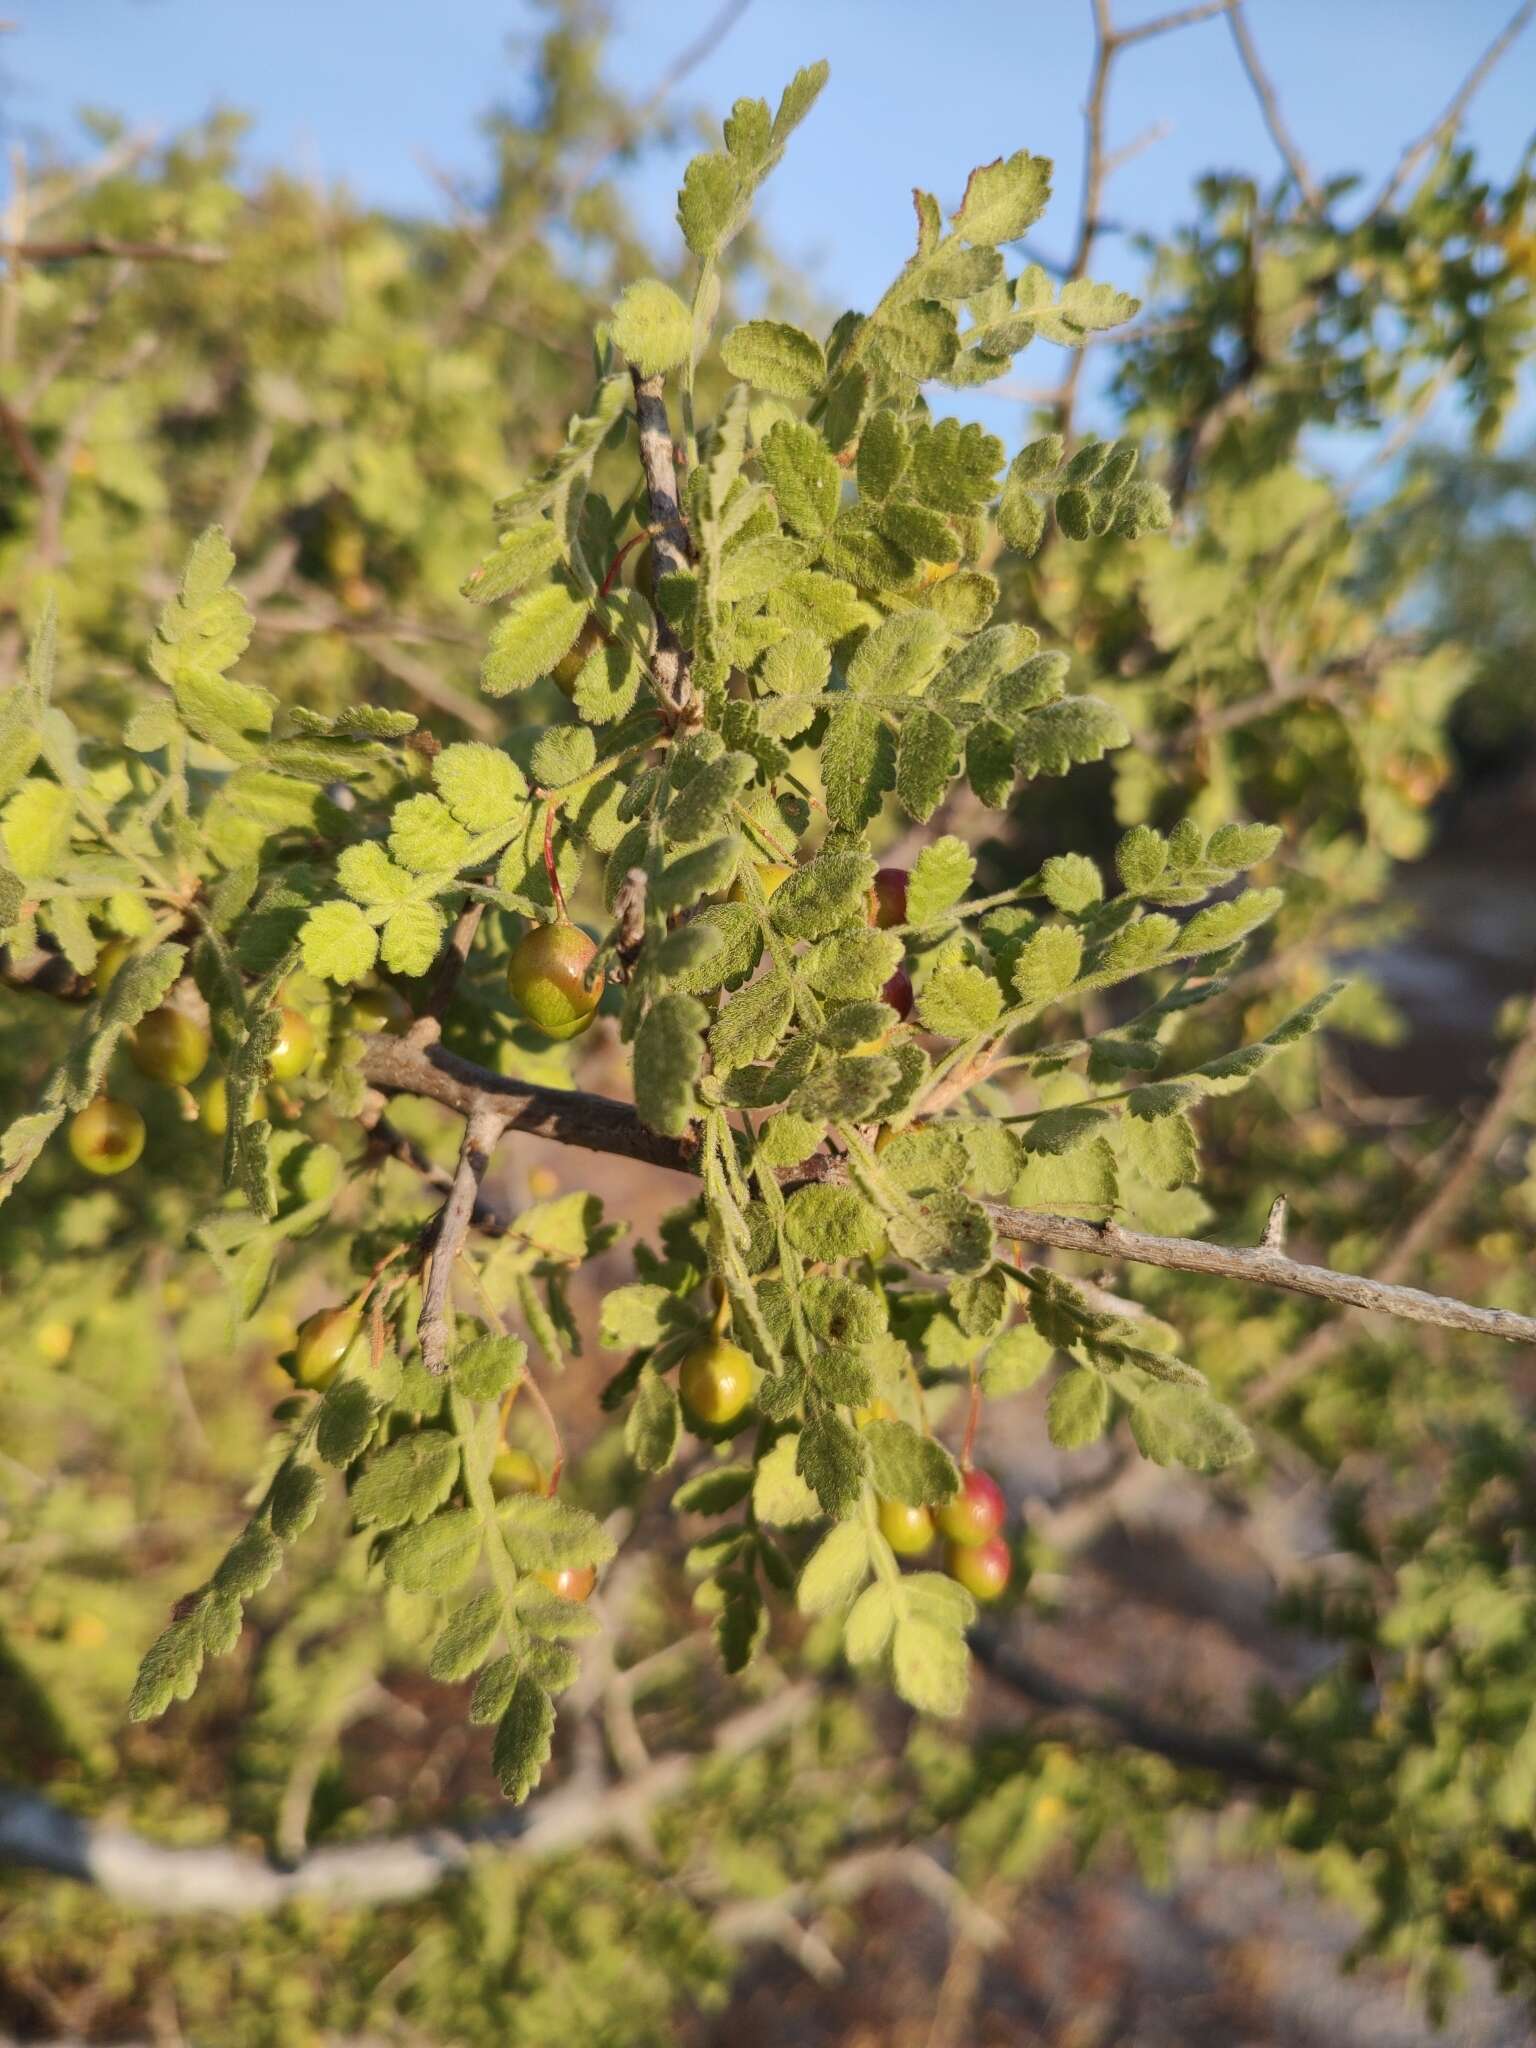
column 364, row 90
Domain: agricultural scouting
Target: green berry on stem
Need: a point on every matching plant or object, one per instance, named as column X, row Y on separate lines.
column 984, row 1569
column 324, row 1340
column 977, row 1511
column 516, row 1471
column 571, row 1582
column 169, row 1046
column 106, row 1136
column 213, row 1106
column 294, row 1046
column 908, row 1530
column 549, row 978
column 716, row 1381
column 379, row 1009
column 109, row 960
column 569, row 666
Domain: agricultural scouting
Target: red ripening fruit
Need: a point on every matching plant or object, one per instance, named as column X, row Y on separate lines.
column 888, row 898
column 571, row 1582
column 716, row 1381
column 977, row 1511
column 898, row 993
column 984, row 1569
column 549, row 979
column 908, row 1530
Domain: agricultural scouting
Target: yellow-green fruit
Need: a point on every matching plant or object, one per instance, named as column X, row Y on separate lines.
column 771, row 877
column 55, row 1341
column 908, row 1530
column 570, row 666
column 549, row 978
column 324, row 1341
column 213, row 1106
column 106, row 1136
column 379, row 1009
column 516, row 1471
column 716, row 1381
column 571, row 1582
column 294, row 1046
column 169, row 1046
column 108, row 961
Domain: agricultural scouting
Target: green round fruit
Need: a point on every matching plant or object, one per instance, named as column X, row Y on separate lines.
column 106, row 1136
column 716, row 1382
column 571, row 1582
column 549, row 978
column 516, row 1471
column 109, row 960
column 908, row 1530
column 169, row 1046
column 213, row 1107
column 570, row 666
column 324, row 1340
column 294, row 1046
column 771, row 877
column 977, row 1511
column 984, row 1569
column 379, row 1009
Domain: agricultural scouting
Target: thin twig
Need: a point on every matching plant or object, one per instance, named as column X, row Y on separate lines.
column 1428, row 1228
column 482, row 1129
column 1164, row 24
column 673, row 549
column 446, row 974
column 600, row 1124
column 1269, row 107
column 1231, row 1757
column 107, row 246
column 19, row 441
column 152, row 1877
column 1442, row 129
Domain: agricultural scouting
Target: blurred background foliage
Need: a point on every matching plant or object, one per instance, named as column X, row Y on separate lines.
column 1339, row 636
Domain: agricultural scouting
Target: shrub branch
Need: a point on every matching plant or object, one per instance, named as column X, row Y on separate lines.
column 596, row 1123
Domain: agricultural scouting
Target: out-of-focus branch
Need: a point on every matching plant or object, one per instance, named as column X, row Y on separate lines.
column 106, row 246
column 1442, row 129
column 1233, row 1758
column 1429, row 1227
column 139, row 1873
column 1269, row 106
column 1100, row 163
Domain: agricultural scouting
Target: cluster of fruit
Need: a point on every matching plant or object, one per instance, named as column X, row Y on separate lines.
column 172, row 1046
column 716, row 1383
column 976, row 1550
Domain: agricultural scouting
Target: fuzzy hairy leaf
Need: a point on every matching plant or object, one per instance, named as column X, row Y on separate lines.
column 669, row 1054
